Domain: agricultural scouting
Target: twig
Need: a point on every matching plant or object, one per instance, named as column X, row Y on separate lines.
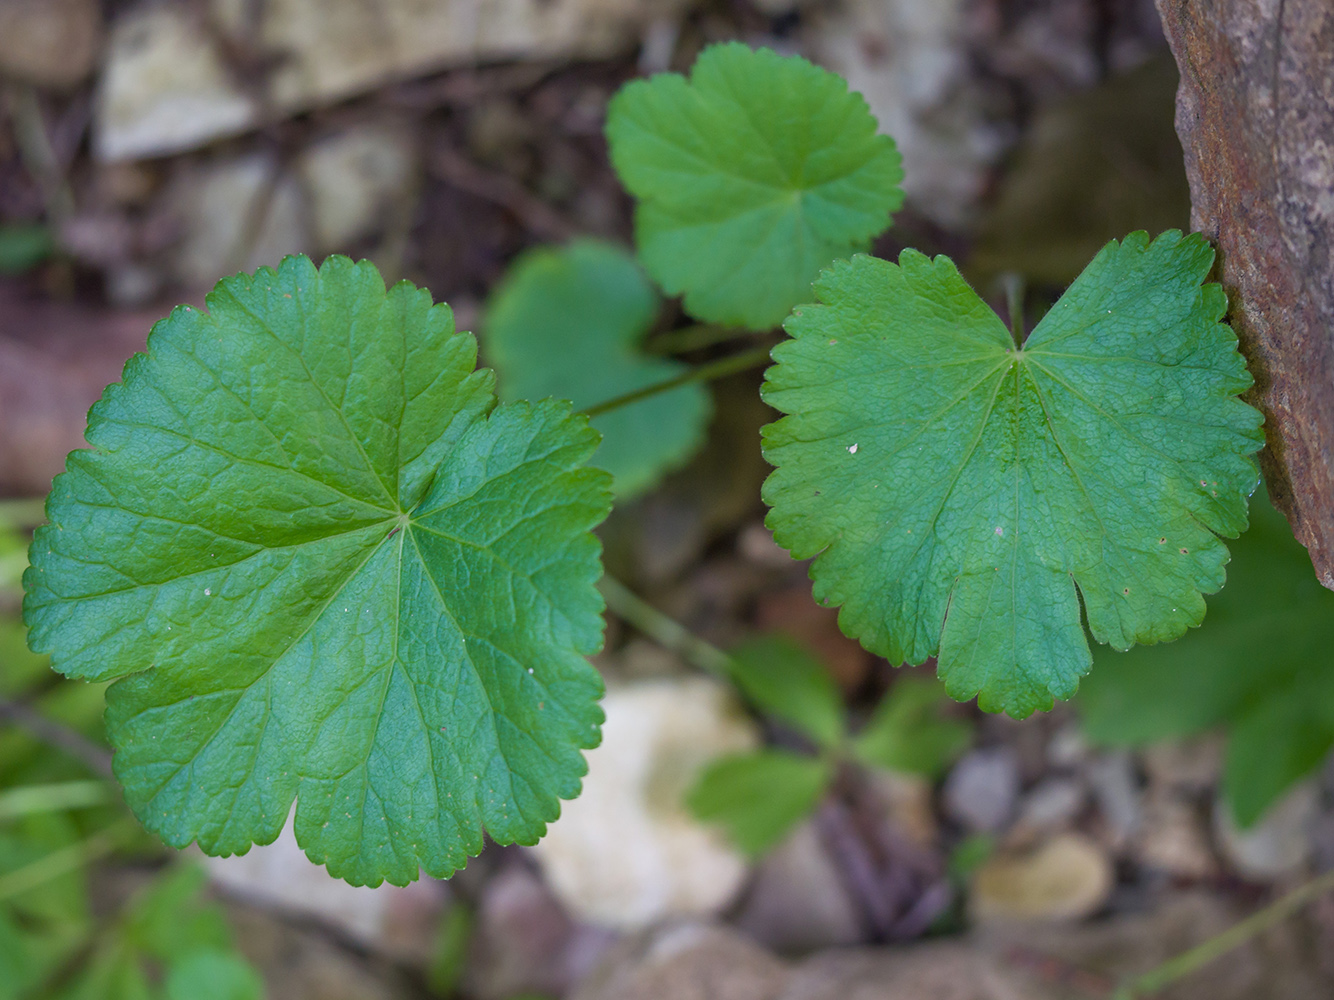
column 94, row 757
column 460, row 172
column 729, row 365
column 666, row 632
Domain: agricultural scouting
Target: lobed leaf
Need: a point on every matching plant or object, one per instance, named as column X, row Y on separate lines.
column 751, row 176
column 325, row 566
column 961, row 495
column 570, row 323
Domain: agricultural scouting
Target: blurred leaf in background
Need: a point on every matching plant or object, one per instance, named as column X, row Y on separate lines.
column 908, row 732
column 1261, row 666
column 1093, row 166
column 23, row 247
column 780, row 678
column 570, row 322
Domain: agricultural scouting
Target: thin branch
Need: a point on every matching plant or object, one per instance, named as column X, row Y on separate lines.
column 704, row 373
column 666, row 632
column 97, row 759
column 459, row 172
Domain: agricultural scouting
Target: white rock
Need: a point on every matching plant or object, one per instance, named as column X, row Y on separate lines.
column 352, row 179
column 626, row 853
column 1280, row 843
column 215, row 203
column 907, row 58
column 164, row 88
column 280, row 875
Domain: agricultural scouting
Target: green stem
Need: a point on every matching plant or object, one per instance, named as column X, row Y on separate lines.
column 63, row 861
column 704, row 373
column 1219, row 945
column 50, row 798
column 666, row 632
column 694, row 337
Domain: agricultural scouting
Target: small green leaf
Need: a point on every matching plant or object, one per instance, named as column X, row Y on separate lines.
column 213, row 975
column 961, row 495
column 570, row 323
column 23, row 247
column 758, row 797
column 751, row 175
column 908, row 734
column 1262, row 665
column 781, row 678
column 328, row 567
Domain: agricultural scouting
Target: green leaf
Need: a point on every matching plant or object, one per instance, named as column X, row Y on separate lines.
column 213, row 975
column 328, row 567
column 908, row 734
column 758, row 797
column 751, row 175
column 23, row 247
column 1262, row 665
column 961, row 495
column 168, row 926
column 781, row 678
column 570, row 323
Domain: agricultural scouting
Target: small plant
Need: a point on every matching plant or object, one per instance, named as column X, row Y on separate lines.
column 322, row 563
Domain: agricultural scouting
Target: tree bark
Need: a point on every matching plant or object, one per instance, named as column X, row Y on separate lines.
column 1255, row 113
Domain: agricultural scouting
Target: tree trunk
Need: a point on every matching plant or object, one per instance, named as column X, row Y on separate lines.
column 1255, row 113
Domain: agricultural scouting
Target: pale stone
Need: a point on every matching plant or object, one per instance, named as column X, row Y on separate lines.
column 626, row 852
column 164, row 88
column 909, row 61
column 50, row 43
column 215, row 204
column 352, row 179
column 1280, row 844
column 1173, row 839
column 1067, row 878
column 280, row 876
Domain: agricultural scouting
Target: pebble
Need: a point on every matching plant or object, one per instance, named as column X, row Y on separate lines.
column 982, row 789
column 1068, row 877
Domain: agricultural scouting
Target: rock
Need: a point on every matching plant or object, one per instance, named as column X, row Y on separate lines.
column 1172, row 837
column 1116, row 790
column 50, row 43
column 687, row 962
column 1067, row 747
column 1188, row 766
column 626, row 853
column 393, row 920
column 217, row 203
column 981, row 791
column 938, row 971
column 1067, row 878
column 352, row 180
column 1255, row 117
column 302, row 963
column 524, row 943
column 909, row 61
column 1051, row 806
column 796, row 901
column 164, row 88
column 1280, row 844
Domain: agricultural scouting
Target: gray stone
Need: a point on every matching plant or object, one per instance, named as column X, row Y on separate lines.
column 1280, row 844
column 982, row 789
column 352, row 180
